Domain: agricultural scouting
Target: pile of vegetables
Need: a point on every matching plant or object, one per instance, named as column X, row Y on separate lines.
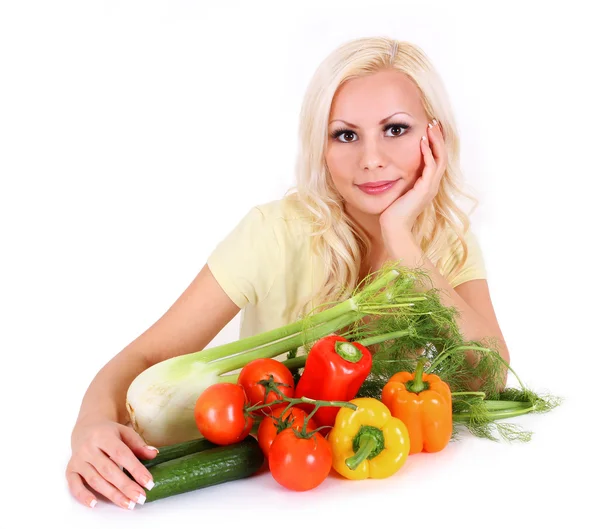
column 368, row 381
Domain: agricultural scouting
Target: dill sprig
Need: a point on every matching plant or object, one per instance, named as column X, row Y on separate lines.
column 415, row 323
column 480, row 416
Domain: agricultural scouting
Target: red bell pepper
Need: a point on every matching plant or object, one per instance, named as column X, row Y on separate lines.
column 335, row 370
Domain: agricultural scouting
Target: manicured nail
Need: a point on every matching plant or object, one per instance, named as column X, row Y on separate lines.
column 141, row 499
column 152, row 448
column 93, row 503
column 150, row 484
column 435, row 121
column 430, row 125
column 424, row 138
column 131, row 505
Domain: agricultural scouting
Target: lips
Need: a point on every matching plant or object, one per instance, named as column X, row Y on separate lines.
column 375, row 188
column 381, row 183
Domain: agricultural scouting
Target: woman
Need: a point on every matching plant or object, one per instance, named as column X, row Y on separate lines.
column 376, row 177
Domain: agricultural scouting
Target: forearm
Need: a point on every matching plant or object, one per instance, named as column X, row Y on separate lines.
column 105, row 397
column 472, row 325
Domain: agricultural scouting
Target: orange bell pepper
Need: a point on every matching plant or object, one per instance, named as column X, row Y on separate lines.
column 423, row 402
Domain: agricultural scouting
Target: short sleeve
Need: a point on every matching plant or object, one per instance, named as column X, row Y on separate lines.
column 245, row 262
column 474, row 267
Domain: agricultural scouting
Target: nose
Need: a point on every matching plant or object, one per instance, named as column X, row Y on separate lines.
column 372, row 156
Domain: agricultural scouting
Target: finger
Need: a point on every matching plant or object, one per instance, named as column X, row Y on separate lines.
column 437, row 157
column 436, row 142
column 137, row 445
column 108, row 469
column 122, row 455
column 428, row 157
column 135, row 448
column 79, row 490
column 432, row 141
column 98, row 483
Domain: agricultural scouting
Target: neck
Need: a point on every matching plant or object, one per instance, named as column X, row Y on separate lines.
column 369, row 223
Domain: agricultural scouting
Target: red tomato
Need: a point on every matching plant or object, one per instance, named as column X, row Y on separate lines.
column 297, row 463
column 220, row 414
column 294, row 417
column 262, row 369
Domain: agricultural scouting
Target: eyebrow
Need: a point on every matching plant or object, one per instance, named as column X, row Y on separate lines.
column 380, row 123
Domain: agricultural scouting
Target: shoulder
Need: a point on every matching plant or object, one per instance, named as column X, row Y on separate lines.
column 451, row 243
column 460, row 263
column 285, row 216
column 286, row 209
column 267, row 229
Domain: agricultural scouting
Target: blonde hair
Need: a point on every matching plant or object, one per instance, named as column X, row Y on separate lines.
column 339, row 242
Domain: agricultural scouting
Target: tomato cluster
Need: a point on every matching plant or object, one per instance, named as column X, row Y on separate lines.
column 299, row 457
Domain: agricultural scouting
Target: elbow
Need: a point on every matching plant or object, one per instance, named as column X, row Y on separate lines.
column 494, row 380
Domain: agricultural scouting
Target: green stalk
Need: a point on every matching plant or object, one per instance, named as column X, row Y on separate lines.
column 382, row 281
column 231, row 379
column 495, row 405
column 309, row 417
column 496, row 415
column 269, row 337
column 302, row 400
column 300, row 361
column 408, row 301
column 295, row 363
column 383, row 337
column 228, row 364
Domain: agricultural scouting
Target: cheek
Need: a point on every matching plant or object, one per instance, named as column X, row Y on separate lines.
column 339, row 165
column 409, row 159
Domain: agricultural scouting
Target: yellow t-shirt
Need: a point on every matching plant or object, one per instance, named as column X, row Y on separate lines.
column 265, row 265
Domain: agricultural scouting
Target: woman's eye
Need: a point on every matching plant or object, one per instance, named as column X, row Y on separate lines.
column 343, row 134
column 394, row 127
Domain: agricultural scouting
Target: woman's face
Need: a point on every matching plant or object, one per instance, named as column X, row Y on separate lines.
column 367, row 151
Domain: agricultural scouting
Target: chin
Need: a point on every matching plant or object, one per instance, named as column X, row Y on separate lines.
column 372, row 205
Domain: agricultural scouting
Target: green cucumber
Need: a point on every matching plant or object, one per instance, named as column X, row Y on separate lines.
column 166, row 453
column 206, row 468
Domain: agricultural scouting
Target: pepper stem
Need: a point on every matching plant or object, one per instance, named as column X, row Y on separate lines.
column 367, row 444
column 418, row 384
column 348, row 351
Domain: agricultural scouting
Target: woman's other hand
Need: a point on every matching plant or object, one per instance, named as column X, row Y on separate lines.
column 401, row 214
column 100, row 452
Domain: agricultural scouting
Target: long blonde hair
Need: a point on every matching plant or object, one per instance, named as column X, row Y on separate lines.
column 339, row 242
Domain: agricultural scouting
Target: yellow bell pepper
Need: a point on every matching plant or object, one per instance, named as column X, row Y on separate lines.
column 368, row 442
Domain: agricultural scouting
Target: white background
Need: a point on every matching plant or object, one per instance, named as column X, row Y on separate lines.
column 135, row 135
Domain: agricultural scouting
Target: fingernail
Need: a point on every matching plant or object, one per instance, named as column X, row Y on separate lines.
column 131, row 505
column 150, row 484
column 141, row 499
column 430, row 125
column 435, row 121
column 152, row 448
column 93, row 503
column 424, row 138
